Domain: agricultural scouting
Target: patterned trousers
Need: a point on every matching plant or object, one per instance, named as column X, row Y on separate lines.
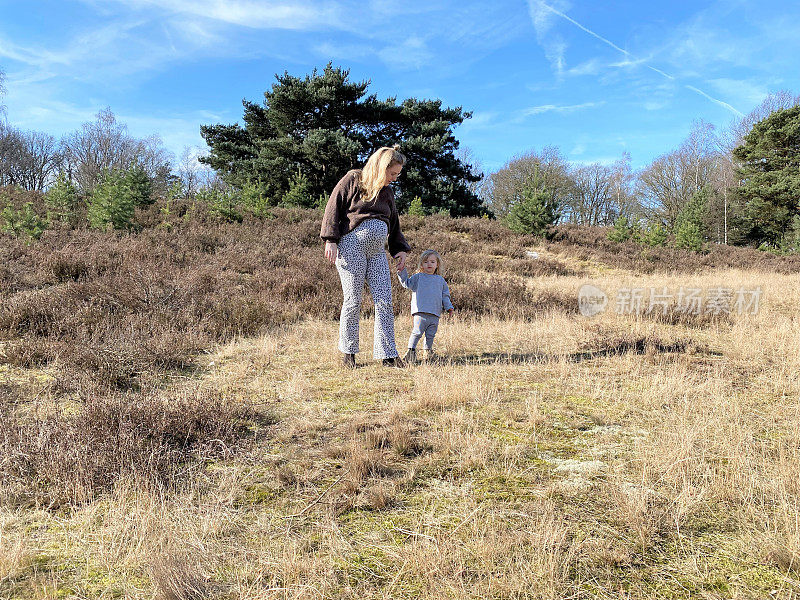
column 362, row 257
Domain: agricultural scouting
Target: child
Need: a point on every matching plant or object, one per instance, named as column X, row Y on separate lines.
column 430, row 295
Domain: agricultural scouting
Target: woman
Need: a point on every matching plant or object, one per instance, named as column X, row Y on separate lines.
column 359, row 217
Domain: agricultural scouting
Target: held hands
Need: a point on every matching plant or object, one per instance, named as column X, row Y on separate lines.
column 401, row 261
column 331, row 251
column 450, row 311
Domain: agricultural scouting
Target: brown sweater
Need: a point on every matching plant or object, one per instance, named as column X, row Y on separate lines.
column 346, row 209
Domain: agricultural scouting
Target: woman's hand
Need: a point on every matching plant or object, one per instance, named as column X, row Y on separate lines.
column 331, row 251
column 401, row 261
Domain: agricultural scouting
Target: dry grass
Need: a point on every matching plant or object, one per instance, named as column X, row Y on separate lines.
column 550, row 456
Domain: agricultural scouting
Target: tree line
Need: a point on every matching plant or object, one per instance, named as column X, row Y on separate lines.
column 738, row 186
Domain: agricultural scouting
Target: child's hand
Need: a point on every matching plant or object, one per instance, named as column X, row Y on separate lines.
column 401, row 261
column 450, row 311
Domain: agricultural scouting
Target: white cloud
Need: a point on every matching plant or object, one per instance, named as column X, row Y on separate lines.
column 628, row 62
column 555, row 10
column 544, row 108
column 578, row 149
column 655, row 104
column 589, row 67
column 262, row 14
column 543, row 16
column 742, row 91
column 194, row 32
column 700, row 45
column 113, row 52
column 606, row 161
column 412, row 53
column 28, row 56
column 480, row 120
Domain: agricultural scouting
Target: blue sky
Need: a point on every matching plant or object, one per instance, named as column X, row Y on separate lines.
column 595, row 79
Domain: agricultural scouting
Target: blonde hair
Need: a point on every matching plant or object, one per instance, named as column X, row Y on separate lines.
column 439, row 266
column 373, row 175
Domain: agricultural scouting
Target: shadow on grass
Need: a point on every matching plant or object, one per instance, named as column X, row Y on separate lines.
column 639, row 346
column 491, row 358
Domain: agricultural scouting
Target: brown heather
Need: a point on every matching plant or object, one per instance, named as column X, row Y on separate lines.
column 72, row 455
column 111, row 307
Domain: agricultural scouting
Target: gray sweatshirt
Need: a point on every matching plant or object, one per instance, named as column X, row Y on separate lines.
column 430, row 292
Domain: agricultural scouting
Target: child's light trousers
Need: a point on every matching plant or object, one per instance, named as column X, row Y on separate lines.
column 424, row 324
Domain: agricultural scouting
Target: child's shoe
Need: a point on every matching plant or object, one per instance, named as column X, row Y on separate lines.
column 349, row 361
column 396, row 362
column 411, row 357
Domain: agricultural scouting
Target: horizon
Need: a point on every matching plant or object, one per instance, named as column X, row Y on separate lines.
column 595, row 81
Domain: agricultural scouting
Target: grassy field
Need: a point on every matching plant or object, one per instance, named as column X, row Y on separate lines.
column 550, row 455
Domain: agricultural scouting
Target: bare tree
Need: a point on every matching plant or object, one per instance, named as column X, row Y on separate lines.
column 28, row 159
column 697, row 148
column 735, row 132
column 664, row 187
column 95, row 147
column 209, row 179
column 670, row 181
column 42, row 160
column 591, row 197
column 157, row 163
column 546, row 169
column 196, row 176
column 188, row 170
column 11, row 153
column 105, row 144
column 2, row 92
column 626, row 202
column 722, row 180
column 467, row 157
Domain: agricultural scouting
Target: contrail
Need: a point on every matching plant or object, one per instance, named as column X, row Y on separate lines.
column 626, row 53
column 660, row 72
column 720, row 102
column 589, row 31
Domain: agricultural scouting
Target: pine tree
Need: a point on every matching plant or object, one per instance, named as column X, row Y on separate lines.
column 111, row 202
column 656, row 235
column 688, row 235
column 791, row 241
column 324, row 124
column 23, row 223
column 621, row 231
column 535, row 212
column 255, row 199
column 416, row 208
column 299, row 193
column 689, row 224
column 61, row 199
column 139, row 185
column 770, row 177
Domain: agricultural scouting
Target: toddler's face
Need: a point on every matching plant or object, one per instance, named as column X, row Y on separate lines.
column 429, row 265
